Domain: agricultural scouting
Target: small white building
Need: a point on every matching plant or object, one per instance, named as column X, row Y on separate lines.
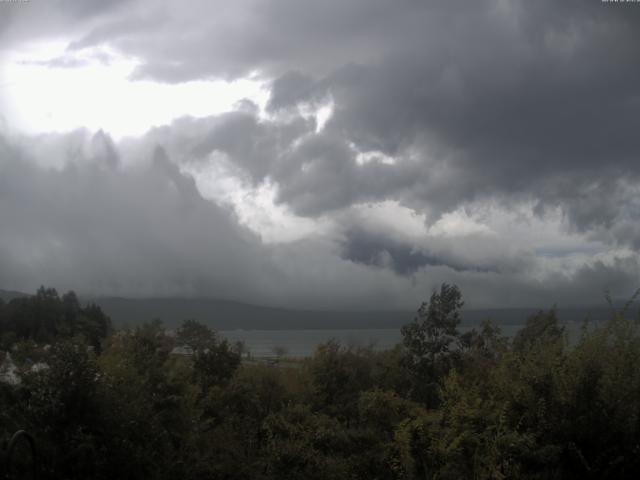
column 8, row 370
column 183, row 350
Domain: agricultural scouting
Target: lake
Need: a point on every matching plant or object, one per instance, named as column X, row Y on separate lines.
column 302, row 343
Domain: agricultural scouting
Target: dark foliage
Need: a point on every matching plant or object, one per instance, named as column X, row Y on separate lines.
column 144, row 403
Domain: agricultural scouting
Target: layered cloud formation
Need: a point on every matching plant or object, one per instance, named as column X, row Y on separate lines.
column 493, row 144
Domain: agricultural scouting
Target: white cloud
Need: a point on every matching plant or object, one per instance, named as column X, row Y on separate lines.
column 49, row 89
column 395, row 152
column 255, row 206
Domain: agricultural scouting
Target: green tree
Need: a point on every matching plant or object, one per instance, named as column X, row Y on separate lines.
column 215, row 365
column 63, row 412
column 542, row 327
column 145, row 406
column 338, row 375
column 195, row 335
column 229, row 437
column 428, row 342
column 302, row 444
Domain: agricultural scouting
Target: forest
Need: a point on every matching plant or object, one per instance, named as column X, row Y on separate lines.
column 124, row 403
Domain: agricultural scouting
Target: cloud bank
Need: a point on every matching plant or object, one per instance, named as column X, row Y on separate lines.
column 490, row 143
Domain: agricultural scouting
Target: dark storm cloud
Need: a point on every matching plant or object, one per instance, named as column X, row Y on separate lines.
column 508, row 95
column 99, row 224
column 105, row 228
column 254, row 145
column 606, row 208
column 294, row 88
column 37, row 20
column 454, row 103
column 403, row 257
column 241, row 37
column 505, row 98
column 316, row 172
column 321, row 174
column 101, row 227
column 507, row 108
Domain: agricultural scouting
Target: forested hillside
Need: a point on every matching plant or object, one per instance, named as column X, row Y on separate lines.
column 106, row 403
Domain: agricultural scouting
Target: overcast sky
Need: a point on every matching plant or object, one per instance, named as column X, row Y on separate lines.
column 328, row 154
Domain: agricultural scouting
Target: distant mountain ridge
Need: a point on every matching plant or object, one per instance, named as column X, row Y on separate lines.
column 231, row 315
column 8, row 295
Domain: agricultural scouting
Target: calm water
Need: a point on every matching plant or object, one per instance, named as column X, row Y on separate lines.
column 302, row 343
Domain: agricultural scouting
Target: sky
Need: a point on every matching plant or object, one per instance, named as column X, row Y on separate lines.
column 343, row 154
